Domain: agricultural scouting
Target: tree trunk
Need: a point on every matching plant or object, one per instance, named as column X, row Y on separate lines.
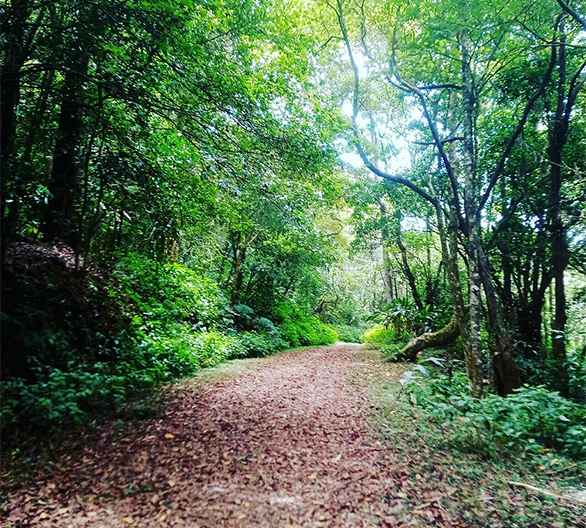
column 558, row 136
column 450, row 240
column 505, row 372
column 449, row 245
column 239, row 257
column 387, row 276
column 471, row 204
column 530, row 321
column 442, row 337
column 559, row 260
column 407, row 268
column 61, row 222
column 13, row 27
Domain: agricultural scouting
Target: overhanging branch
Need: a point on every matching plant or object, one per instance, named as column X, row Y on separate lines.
column 518, row 129
column 581, row 20
column 355, row 109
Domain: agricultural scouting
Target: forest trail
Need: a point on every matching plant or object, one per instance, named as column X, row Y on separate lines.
column 284, row 444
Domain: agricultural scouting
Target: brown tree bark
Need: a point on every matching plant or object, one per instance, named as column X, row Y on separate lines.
column 16, row 51
column 505, row 372
column 61, row 222
column 406, row 267
column 238, row 261
column 567, row 93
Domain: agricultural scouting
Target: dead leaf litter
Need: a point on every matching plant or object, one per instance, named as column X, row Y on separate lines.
column 282, row 445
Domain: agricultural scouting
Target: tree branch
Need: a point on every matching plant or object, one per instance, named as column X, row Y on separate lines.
column 440, row 86
column 443, row 141
column 355, row 108
column 581, row 20
column 436, row 137
column 519, row 128
column 576, row 84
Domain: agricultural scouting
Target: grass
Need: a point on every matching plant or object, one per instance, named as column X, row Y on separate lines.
column 229, row 369
column 236, row 367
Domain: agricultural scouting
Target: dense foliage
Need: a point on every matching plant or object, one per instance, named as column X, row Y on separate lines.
column 164, row 171
column 464, row 132
column 530, row 420
column 165, row 321
column 187, row 183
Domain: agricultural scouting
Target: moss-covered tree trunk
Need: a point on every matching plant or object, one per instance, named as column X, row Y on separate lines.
column 443, row 337
column 473, row 352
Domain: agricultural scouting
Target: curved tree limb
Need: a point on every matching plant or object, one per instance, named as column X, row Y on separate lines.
column 581, row 20
column 355, row 109
column 445, row 336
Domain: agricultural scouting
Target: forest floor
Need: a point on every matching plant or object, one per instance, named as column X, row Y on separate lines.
column 293, row 440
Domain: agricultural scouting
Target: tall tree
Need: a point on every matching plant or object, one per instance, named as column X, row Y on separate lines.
column 468, row 56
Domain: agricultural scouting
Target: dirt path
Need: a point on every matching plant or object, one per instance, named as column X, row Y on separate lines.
column 282, row 445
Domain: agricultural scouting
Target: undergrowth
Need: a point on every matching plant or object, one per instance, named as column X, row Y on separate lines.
column 472, row 450
column 379, row 336
column 348, row 333
column 301, row 329
column 164, row 322
column 528, row 421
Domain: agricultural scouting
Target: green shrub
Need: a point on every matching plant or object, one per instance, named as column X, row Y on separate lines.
column 260, row 345
column 393, row 352
column 264, row 325
column 406, row 320
column 212, row 348
column 169, row 322
column 167, row 293
column 183, row 350
column 348, row 333
column 308, row 331
column 176, row 314
column 60, row 397
column 379, row 336
column 301, row 329
column 576, row 367
column 529, row 420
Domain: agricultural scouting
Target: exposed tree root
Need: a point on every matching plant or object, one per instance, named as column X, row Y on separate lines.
column 445, row 336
